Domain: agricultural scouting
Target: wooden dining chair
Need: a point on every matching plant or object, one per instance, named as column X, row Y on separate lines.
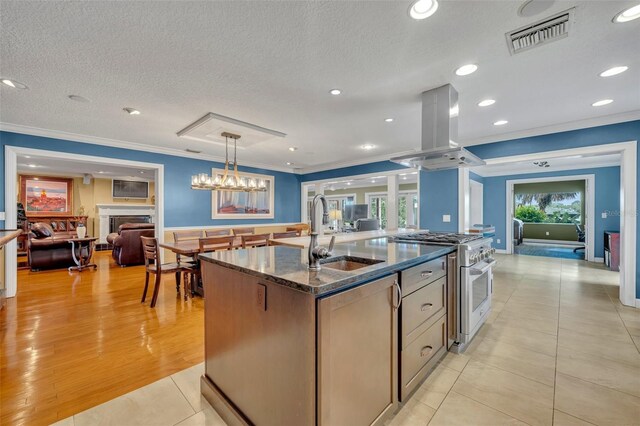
column 154, row 265
column 300, row 228
column 209, row 244
column 244, row 231
column 186, row 236
column 217, row 232
column 288, row 234
column 257, row 240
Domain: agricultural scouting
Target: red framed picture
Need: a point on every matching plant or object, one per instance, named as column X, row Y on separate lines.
column 46, row 196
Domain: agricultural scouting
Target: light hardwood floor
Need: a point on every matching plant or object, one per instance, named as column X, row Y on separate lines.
column 558, row 349
column 71, row 341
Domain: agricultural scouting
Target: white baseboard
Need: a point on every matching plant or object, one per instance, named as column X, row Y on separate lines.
column 598, row 259
column 638, row 303
column 501, row 251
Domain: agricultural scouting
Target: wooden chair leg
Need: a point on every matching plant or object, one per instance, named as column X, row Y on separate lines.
column 178, row 282
column 155, row 291
column 185, row 281
column 146, row 285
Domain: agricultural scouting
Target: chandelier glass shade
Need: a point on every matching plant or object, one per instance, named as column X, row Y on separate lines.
column 229, row 180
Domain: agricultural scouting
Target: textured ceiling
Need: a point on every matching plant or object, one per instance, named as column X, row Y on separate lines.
column 273, row 63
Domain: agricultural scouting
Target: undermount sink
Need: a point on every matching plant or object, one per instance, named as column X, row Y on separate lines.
column 348, row 263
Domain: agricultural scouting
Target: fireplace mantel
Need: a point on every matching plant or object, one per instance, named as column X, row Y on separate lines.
column 107, row 210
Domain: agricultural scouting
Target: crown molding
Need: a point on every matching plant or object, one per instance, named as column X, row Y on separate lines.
column 115, row 143
column 552, row 169
column 556, row 128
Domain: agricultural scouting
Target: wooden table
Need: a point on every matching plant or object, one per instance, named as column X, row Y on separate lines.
column 342, row 237
column 82, row 254
column 191, row 248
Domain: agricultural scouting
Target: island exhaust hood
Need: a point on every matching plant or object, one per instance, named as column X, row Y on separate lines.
column 440, row 149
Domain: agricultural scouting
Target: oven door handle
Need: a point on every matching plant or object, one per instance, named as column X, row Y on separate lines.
column 489, row 265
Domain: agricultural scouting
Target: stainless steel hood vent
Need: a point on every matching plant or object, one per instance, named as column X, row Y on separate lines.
column 440, row 149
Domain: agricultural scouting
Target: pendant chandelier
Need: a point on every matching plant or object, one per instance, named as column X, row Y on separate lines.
column 228, row 180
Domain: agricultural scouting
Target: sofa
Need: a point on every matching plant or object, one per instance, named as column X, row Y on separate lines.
column 47, row 249
column 127, row 246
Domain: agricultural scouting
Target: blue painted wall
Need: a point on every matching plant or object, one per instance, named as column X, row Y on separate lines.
column 607, row 199
column 475, row 177
column 183, row 206
column 438, row 197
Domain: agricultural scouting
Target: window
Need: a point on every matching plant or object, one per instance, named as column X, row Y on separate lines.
column 557, row 207
column 408, row 210
column 378, row 208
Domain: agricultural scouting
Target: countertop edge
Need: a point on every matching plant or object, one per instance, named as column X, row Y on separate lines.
column 338, row 285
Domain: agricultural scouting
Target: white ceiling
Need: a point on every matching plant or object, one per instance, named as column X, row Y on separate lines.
column 40, row 165
column 573, row 162
column 368, row 182
column 273, row 63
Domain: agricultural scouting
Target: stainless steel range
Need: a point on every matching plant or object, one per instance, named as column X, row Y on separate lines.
column 474, row 278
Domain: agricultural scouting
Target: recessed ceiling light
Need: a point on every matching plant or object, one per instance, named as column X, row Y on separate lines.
column 131, row 111
column 404, row 178
column 602, row 102
column 101, row 172
column 500, row 123
column 349, row 183
column 486, row 102
column 141, row 172
column 32, row 165
column 613, row 71
column 335, row 92
column 467, row 69
column 289, row 163
column 389, row 120
column 79, row 98
column 293, row 148
column 422, row 9
column 367, row 146
column 373, row 181
column 628, row 14
column 27, row 156
column 14, row 84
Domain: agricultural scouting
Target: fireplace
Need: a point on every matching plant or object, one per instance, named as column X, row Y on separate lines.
column 111, row 216
column 116, row 221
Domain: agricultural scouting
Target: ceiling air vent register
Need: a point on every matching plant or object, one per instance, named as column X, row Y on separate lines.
column 547, row 30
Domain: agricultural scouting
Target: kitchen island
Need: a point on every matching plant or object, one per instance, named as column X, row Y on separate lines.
column 286, row 346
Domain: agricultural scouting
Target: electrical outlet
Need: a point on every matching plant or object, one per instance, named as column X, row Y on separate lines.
column 261, row 298
column 446, row 218
column 547, row 233
column 604, row 215
column 498, row 241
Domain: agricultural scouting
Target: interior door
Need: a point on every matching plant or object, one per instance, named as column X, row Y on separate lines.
column 587, row 209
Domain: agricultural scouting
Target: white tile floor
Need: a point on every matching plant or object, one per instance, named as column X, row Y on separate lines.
column 558, row 348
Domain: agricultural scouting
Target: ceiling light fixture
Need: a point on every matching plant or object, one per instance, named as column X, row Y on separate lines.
column 13, row 84
column 229, row 180
column 541, row 163
column 131, row 111
column 613, row 71
column 293, row 148
column 422, row 9
column 627, row 15
column 33, row 166
column 373, row 181
column 289, row 163
column 335, row 92
column 602, row 102
column 367, row 147
column 466, row 69
column 388, row 120
column 101, row 171
column 500, row 123
column 486, row 102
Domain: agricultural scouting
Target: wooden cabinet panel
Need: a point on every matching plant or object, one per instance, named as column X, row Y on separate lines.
column 357, row 354
column 421, row 305
column 420, row 356
column 414, row 278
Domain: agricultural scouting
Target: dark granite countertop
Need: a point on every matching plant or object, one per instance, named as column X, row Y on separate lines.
column 288, row 266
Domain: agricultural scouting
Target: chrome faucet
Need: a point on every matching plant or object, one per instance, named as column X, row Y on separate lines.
column 316, row 252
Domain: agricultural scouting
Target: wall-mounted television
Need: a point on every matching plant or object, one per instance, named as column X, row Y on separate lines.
column 130, row 189
column 353, row 212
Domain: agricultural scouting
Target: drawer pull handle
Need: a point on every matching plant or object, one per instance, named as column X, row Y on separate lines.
column 426, row 351
column 426, row 307
column 426, row 274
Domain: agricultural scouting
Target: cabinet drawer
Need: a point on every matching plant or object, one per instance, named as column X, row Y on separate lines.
column 419, row 356
column 421, row 305
column 414, row 278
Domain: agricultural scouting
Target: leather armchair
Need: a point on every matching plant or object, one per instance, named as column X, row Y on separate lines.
column 47, row 249
column 127, row 246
